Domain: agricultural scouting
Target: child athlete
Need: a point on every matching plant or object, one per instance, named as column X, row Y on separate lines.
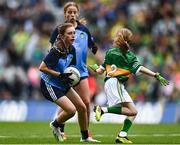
column 119, row 63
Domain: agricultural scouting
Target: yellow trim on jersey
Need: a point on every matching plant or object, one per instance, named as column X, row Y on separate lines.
column 118, row 72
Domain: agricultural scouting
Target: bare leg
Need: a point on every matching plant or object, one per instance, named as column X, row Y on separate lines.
column 80, row 107
column 83, row 90
column 69, row 105
column 68, row 109
column 131, row 112
column 128, row 109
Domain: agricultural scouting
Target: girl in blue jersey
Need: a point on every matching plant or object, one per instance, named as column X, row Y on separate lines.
column 56, row 85
column 83, row 41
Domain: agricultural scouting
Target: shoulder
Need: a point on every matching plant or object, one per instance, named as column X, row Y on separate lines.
column 55, row 30
column 131, row 56
column 50, row 56
column 82, row 27
column 130, row 52
column 72, row 49
column 51, row 52
column 112, row 49
column 53, row 35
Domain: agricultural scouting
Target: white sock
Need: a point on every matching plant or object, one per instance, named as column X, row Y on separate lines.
column 122, row 134
column 104, row 109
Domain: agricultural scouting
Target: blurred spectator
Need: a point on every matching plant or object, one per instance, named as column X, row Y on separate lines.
column 25, row 28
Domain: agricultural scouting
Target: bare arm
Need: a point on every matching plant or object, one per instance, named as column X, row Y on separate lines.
column 96, row 68
column 99, row 71
column 147, row 71
column 157, row 75
column 43, row 67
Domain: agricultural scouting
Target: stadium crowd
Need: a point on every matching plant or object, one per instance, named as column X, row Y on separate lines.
column 25, row 28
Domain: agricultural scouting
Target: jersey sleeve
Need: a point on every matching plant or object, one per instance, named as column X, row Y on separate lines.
column 53, row 35
column 51, row 59
column 91, row 42
column 136, row 66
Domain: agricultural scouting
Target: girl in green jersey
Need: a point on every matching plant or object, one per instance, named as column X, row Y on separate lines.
column 118, row 64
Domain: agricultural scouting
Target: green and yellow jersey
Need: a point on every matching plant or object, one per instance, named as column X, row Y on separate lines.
column 125, row 63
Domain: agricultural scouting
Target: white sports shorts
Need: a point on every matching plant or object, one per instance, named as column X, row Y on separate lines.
column 115, row 92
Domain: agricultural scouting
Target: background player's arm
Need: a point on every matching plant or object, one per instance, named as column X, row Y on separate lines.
column 53, row 37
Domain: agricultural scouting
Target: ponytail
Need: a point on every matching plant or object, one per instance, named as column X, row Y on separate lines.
column 122, row 39
column 83, row 21
column 59, row 43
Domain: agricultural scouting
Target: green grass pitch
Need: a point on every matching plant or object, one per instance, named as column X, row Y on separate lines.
column 40, row 133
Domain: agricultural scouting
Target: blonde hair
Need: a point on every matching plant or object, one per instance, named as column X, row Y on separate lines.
column 83, row 21
column 68, row 4
column 122, row 38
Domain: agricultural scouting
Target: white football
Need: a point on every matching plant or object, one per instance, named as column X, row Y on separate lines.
column 75, row 74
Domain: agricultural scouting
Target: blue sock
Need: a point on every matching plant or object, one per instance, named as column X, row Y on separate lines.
column 84, row 134
column 55, row 123
column 62, row 127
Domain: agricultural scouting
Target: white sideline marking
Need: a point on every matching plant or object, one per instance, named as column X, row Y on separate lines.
column 88, row 144
column 98, row 135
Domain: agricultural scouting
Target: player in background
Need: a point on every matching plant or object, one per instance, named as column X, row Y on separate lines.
column 119, row 63
column 56, row 85
column 83, row 41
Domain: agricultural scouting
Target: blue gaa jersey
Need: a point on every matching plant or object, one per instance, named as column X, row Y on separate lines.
column 58, row 63
column 83, row 41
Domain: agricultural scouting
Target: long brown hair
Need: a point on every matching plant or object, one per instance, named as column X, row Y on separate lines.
column 68, row 4
column 122, row 38
column 59, row 43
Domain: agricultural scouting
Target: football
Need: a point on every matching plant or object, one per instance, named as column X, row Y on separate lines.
column 75, row 74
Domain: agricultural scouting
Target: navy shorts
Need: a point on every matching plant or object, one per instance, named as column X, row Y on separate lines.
column 50, row 92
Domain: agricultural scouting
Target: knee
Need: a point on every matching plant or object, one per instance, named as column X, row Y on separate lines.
column 71, row 111
column 81, row 108
column 134, row 112
column 87, row 102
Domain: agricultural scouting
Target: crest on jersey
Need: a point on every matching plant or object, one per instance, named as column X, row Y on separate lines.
column 117, row 71
column 81, row 35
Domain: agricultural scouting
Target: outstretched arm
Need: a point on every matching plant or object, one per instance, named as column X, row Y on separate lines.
column 147, row 71
column 157, row 75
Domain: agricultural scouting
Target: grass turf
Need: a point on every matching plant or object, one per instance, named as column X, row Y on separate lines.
column 40, row 133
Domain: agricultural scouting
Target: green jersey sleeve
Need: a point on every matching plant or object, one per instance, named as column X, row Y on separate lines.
column 135, row 66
